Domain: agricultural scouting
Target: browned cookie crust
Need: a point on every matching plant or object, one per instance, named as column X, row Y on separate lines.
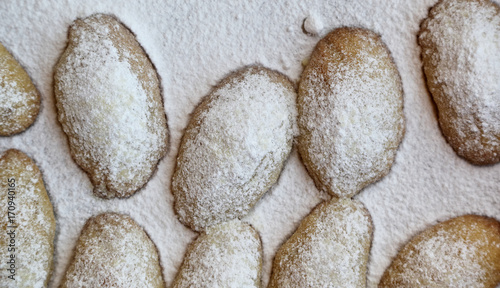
column 460, row 252
column 234, row 147
column 460, row 43
column 19, row 98
column 350, row 105
column 330, row 248
column 110, row 107
column 225, row 255
column 27, row 224
column 114, row 251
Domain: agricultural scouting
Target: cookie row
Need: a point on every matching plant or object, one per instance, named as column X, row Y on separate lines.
column 109, row 102
column 330, row 248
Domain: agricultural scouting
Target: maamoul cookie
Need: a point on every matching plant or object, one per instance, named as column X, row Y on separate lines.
column 329, row 249
column 224, row 255
column 27, row 224
column 460, row 43
column 461, row 252
column 110, row 106
column 234, row 147
column 350, row 105
column 19, row 99
column 114, row 251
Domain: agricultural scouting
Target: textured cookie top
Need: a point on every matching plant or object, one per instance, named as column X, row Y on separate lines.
column 114, row 251
column 329, row 249
column 461, row 53
column 110, row 106
column 461, row 252
column 25, row 197
column 19, row 99
column 350, row 105
column 234, row 147
column 225, row 255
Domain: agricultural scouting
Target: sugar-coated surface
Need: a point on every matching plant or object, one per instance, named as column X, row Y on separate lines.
column 225, row 255
column 19, row 100
column 193, row 46
column 329, row 249
column 27, row 222
column 461, row 42
column 107, row 107
column 113, row 251
column 350, row 103
column 234, row 147
column 461, row 252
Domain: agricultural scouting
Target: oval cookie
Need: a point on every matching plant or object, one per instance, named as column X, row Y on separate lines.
column 329, row 249
column 28, row 223
column 461, row 252
column 225, row 255
column 460, row 43
column 350, row 105
column 19, row 99
column 110, row 107
column 234, row 147
column 113, row 251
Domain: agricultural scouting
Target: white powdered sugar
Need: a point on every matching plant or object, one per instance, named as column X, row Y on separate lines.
column 351, row 118
column 27, row 222
column 455, row 253
column 19, row 100
column 225, row 255
column 329, row 249
column 113, row 251
column 193, row 45
column 444, row 253
column 462, row 39
column 234, row 148
column 12, row 100
column 107, row 106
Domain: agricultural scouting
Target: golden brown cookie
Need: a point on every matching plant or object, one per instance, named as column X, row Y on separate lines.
column 113, row 251
column 460, row 43
column 350, row 105
column 110, row 106
column 329, row 249
column 19, row 98
column 27, row 224
column 461, row 252
column 225, row 255
column 234, row 147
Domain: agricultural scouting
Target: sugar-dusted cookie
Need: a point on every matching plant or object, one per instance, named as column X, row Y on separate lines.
column 234, row 147
column 224, row 255
column 19, row 99
column 27, row 223
column 460, row 43
column 350, row 105
column 329, row 249
column 114, row 251
column 461, row 252
column 110, row 107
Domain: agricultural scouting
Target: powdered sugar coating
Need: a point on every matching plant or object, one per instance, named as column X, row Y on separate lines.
column 234, row 147
column 109, row 105
column 461, row 252
column 192, row 44
column 461, row 55
column 19, row 99
column 329, row 249
column 113, row 251
column 33, row 223
column 225, row 255
column 350, row 111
